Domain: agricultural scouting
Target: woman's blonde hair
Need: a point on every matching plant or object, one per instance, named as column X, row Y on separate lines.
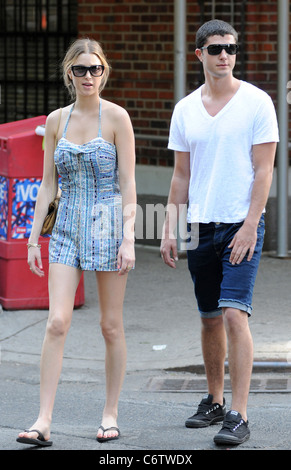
column 78, row 47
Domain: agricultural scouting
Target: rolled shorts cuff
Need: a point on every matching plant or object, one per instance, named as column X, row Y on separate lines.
column 214, row 313
column 223, row 303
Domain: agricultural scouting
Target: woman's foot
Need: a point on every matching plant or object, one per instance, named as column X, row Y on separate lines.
column 38, row 434
column 109, row 434
column 108, row 430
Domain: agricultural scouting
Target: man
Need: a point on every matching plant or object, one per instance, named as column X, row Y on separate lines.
column 224, row 136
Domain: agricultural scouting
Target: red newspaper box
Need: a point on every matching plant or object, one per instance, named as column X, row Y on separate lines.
column 21, row 164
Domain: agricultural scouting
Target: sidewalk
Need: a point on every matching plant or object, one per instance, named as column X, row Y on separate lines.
column 162, row 327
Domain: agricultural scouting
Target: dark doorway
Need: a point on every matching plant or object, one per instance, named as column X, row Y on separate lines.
column 34, row 35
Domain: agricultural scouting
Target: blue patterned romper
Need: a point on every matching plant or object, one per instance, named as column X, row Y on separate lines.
column 88, row 229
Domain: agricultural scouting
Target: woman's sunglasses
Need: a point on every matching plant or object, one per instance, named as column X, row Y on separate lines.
column 81, row 70
column 216, row 49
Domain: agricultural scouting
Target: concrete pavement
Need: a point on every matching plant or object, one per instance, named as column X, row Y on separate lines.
column 164, row 380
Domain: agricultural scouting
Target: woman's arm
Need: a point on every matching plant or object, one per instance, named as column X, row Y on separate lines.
column 125, row 144
column 46, row 193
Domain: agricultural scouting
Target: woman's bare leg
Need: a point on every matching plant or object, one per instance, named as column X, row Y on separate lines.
column 63, row 283
column 111, row 288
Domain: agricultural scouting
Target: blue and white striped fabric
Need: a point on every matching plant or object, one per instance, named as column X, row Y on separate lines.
column 88, row 229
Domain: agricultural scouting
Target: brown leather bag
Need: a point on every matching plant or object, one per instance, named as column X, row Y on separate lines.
column 51, row 216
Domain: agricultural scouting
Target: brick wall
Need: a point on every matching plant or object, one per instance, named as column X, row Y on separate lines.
column 138, row 38
column 261, row 45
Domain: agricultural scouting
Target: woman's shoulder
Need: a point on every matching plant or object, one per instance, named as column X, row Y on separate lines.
column 113, row 110
column 56, row 119
column 55, row 115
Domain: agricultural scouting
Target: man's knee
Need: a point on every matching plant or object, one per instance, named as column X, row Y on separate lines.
column 234, row 319
column 212, row 323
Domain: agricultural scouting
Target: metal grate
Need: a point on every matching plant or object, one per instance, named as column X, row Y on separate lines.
column 34, row 35
column 185, row 384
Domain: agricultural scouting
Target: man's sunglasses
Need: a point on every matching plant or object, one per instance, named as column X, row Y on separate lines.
column 216, row 49
column 81, row 70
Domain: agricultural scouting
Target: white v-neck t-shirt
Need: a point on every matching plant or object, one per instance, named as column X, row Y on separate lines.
column 220, row 147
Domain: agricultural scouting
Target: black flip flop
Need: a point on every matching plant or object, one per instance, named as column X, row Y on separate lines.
column 105, row 439
column 41, row 442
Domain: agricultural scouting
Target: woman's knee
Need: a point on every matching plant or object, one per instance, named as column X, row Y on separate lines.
column 57, row 326
column 111, row 330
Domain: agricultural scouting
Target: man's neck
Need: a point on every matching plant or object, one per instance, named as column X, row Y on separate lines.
column 215, row 88
column 216, row 95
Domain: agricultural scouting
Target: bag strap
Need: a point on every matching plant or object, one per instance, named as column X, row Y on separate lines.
column 56, row 140
column 56, row 143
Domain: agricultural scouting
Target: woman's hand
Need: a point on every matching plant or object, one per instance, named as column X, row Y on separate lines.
column 34, row 261
column 126, row 257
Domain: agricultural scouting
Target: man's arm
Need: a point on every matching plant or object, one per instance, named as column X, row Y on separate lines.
column 178, row 196
column 246, row 238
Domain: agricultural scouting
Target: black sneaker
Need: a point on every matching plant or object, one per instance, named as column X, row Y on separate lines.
column 234, row 430
column 207, row 413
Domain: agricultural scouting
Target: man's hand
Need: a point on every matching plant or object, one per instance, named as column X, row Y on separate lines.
column 169, row 251
column 242, row 243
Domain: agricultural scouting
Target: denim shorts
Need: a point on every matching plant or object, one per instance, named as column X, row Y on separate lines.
column 218, row 283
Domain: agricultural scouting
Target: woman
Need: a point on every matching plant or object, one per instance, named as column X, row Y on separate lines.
column 92, row 231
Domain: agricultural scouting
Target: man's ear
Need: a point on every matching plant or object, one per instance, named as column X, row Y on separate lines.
column 199, row 54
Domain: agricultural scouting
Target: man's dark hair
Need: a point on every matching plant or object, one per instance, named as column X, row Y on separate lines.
column 213, row 28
